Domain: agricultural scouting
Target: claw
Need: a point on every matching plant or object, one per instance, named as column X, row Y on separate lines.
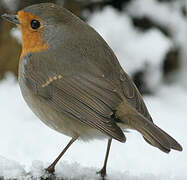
column 102, row 173
column 50, row 169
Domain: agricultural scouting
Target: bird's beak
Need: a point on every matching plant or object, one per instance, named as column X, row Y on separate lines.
column 11, row 18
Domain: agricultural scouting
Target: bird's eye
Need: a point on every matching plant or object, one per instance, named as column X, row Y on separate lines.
column 35, row 24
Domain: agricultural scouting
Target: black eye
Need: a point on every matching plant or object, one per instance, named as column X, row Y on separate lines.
column 35, row 24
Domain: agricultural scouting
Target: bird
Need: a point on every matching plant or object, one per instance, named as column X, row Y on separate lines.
column 72, row 80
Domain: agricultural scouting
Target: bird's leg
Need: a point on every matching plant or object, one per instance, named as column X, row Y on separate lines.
column 51, row 168
column 102, row 172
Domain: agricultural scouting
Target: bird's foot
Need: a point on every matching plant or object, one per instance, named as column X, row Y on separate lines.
column 50, row 169
column 50, row 173
column 49, row 177
column 102, row 173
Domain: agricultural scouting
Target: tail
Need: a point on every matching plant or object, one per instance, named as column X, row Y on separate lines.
column 173, row 143
column 151, row 133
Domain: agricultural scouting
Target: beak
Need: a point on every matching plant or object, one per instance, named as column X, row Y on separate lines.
column 11, row 18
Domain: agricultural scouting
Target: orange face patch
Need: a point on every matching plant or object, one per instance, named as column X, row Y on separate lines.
column 31, row 38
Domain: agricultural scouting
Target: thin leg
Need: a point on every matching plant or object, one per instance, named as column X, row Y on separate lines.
column 51, row 168
column 102, row 172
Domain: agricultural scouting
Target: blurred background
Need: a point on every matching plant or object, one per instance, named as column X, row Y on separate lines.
column 149, row 37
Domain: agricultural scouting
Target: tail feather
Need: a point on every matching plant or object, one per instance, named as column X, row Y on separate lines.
column 156, row 144
column 153, row 134
column 173, row 143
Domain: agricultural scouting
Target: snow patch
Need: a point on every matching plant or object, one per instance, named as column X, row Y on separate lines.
column 10, row 169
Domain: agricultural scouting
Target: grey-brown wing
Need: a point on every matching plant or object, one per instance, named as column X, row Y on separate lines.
column 88, row 99
column 132, row 95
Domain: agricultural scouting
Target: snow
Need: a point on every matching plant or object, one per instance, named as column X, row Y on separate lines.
column 25, row 139
column 168, row 15
column 10, row 169
column 158, row 12
column 16, row 33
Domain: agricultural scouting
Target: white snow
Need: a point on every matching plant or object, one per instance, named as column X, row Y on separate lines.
column 168, row 15
column 10, row 169
column 16, row 33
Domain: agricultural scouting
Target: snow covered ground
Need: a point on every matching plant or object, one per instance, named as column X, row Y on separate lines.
column 24, row 139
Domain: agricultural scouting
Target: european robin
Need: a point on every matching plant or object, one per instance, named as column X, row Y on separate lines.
column 73, row 82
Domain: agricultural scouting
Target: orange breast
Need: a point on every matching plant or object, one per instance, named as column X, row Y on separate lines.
column 31, row 39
